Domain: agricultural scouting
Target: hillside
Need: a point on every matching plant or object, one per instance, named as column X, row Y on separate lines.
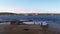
column 27, row 14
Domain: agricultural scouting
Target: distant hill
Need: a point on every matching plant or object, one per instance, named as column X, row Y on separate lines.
column 6, row 13
column 29, row 14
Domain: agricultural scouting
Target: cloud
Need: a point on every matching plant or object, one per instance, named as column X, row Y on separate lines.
column 17, row 10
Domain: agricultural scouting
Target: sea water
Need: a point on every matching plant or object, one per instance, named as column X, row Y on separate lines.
column 53, row 21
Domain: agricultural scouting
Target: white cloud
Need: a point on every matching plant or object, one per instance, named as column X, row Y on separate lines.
column 15, row 10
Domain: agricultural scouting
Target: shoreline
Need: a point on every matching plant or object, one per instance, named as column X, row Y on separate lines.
column 32, row 27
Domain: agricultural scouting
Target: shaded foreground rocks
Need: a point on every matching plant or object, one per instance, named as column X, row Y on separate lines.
column 30, row 29
column 16, row 28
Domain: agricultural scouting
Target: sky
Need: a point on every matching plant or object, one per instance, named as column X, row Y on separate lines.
column 45, row 5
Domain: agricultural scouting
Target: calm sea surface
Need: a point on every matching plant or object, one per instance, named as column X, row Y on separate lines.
column 35, row 18
column 55, row 19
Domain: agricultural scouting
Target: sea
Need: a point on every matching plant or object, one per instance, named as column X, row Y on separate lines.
column 53, row 21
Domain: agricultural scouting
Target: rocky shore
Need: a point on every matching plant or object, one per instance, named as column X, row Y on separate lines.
column 27, row 29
